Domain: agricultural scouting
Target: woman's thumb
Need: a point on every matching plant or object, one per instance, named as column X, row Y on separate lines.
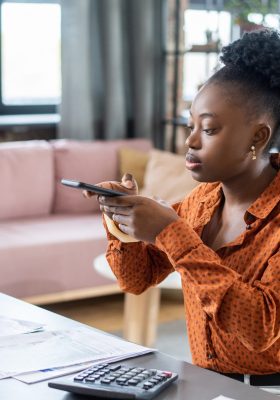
column 129, row 182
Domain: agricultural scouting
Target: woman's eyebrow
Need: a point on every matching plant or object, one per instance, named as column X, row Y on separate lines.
column 206, row 115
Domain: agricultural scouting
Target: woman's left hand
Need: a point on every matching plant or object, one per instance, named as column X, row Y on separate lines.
column 140, row 217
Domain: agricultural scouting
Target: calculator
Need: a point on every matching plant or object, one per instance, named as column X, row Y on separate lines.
column 117, row 381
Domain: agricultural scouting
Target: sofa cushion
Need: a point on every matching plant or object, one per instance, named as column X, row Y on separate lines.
column 50, row 254
column 27, row 179
column 166, row 177
column 134, row 162
column 90, row 162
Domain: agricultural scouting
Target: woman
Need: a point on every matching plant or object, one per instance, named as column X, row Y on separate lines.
column 224, row 238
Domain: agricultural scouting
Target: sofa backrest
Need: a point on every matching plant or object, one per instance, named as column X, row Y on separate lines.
column 30, row 174
column 91, row 162
column 26, row 179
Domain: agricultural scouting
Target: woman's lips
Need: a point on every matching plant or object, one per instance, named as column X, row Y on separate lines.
column 192, row 162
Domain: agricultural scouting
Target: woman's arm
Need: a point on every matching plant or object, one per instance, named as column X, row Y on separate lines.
column 137, row 266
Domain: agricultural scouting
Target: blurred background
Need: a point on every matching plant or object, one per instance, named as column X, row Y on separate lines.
column 111, row 69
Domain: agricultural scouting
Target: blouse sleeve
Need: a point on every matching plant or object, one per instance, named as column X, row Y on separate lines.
column 137, row 266
column 251, row 312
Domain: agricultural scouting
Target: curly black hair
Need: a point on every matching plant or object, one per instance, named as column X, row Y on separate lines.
column 252, row 64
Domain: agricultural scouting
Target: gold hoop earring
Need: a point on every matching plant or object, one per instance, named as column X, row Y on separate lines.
column 253, row 150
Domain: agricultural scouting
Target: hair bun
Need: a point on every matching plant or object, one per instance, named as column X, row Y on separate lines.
column 258, row 53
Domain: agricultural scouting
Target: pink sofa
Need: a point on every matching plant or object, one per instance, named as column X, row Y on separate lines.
column 50, row 234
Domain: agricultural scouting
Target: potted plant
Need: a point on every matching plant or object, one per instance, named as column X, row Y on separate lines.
column 242, row 8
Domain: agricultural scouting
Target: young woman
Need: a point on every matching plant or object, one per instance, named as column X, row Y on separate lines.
column 224, row 238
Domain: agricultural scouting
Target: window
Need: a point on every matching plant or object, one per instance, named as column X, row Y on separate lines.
column 30, row 57
column 205, row 33
column 196, row 30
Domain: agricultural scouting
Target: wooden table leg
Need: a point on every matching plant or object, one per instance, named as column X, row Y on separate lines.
column 141, row 317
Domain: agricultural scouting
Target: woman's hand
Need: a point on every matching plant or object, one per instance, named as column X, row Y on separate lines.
column 140, row 217
column 127, row 185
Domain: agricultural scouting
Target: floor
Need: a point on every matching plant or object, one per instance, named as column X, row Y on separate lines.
column 106, row 313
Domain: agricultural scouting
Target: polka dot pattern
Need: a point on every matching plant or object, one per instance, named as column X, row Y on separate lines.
column 232, row 295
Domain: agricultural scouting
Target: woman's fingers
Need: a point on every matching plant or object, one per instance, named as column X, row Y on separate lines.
column 110, row 211
column 118, row 210
column 129, row 183
column 121, row 219
column 121, row 201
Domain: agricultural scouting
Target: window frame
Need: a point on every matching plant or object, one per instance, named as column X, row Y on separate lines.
column 23, row 109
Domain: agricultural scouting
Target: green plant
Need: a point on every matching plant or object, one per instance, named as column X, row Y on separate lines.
column 242, row 8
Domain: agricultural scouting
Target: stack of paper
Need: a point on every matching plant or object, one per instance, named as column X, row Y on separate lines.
column 10, row 326
column 46, row 354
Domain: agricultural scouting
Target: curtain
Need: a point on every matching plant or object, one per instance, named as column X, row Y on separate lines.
column 112, row 69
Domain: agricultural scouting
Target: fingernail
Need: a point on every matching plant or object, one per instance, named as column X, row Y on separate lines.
column 128, row 177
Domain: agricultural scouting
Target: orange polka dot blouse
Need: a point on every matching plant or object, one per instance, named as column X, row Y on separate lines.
column 232, row 295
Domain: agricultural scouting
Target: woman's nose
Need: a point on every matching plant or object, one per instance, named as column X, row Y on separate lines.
column 193, row 140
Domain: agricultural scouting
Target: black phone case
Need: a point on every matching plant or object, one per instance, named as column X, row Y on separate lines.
column 91, row 188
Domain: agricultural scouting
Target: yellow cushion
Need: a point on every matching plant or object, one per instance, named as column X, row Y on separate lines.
column 166, row 176
column 133, row 162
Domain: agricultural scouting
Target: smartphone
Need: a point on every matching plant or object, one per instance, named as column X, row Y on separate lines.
column 91, row 188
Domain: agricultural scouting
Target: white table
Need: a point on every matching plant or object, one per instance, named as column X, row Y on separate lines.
column 140, row 312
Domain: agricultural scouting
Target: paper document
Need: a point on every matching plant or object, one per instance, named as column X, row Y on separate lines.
column 55, row 349
column 9, row 326
column 39, row 376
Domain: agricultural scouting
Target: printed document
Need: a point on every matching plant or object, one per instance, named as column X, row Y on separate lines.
column 10, row 326
column 55, row 349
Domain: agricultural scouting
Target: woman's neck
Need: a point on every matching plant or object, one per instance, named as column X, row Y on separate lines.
column 243, row 190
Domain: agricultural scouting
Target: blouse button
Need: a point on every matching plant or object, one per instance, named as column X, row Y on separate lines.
column 248, row 227
column 210, row 356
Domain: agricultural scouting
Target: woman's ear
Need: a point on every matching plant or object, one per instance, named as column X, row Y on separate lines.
column 262, row 135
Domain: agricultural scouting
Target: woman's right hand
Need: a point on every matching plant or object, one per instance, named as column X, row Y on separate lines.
column 127, row 185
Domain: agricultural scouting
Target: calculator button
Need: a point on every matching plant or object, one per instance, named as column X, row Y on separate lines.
column 90, row 379
column 167, row 373
column 105, row 380
column 138, row 370
column 126, row 376
column 162, row 376
column 116, row 374
column 79, row 378
column 133, row 382
column 121, row 380
column 141, row 376
column 155, row 381
column 106, row 370
column 130, row 374
column 123, row 369
column 147, row 385
column 114, row 367
column 146, row 374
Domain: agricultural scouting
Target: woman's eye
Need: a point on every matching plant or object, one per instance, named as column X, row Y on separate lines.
column 209, row 131
column 190, row 128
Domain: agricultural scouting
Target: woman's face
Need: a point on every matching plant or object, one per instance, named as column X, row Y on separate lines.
column 221, row 135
